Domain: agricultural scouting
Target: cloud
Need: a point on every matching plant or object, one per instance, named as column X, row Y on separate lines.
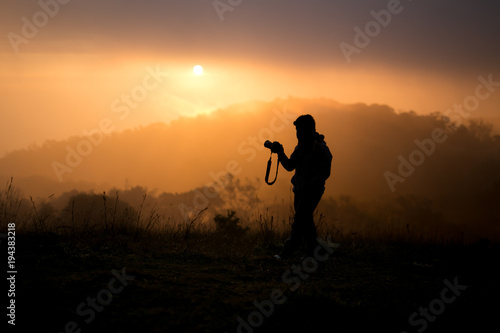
column 450, row 35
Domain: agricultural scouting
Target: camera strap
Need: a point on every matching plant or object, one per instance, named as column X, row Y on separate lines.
column 269, row 169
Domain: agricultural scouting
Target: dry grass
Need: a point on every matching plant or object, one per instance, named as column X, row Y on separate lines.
column 200, row 274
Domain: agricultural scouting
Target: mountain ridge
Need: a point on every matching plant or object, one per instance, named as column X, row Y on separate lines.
column 367, row 141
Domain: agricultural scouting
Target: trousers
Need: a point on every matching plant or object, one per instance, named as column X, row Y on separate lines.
column 303, row 228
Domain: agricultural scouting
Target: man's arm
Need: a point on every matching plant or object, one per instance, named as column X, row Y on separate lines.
column 288, row 163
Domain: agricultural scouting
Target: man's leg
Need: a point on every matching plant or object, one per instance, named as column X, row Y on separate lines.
column 303, row 224
column 306, row 213
column 293, row 241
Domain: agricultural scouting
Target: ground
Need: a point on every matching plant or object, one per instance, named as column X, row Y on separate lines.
column 201, row 283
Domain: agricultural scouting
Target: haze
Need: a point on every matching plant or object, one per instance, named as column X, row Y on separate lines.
column 65, row 76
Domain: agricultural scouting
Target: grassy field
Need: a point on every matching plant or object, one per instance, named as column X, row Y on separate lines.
column 112, row 269
column 207, row 281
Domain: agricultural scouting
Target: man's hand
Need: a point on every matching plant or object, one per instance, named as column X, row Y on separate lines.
column 277, row 147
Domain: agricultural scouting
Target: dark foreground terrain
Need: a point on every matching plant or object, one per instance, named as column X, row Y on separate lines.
column 204, row 282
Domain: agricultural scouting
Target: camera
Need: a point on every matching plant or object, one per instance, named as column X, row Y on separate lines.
column 274, row 146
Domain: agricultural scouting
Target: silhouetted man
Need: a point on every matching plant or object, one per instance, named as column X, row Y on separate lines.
column 312, row 162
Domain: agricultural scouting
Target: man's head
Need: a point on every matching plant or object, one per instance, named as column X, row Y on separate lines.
column 306, row 128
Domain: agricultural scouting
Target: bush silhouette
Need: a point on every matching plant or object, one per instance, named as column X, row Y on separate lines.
column 229, row 224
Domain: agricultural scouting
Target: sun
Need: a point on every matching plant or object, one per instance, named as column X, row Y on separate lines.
column 198, row 70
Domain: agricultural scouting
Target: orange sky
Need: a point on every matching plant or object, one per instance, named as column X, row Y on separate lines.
column 78, row 67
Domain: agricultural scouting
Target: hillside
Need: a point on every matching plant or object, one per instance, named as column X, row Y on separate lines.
column 373, row 148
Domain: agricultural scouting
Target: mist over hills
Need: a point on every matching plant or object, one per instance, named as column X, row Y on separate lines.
column 378, row 153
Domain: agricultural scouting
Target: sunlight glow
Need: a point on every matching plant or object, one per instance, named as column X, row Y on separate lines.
column 198, row 70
